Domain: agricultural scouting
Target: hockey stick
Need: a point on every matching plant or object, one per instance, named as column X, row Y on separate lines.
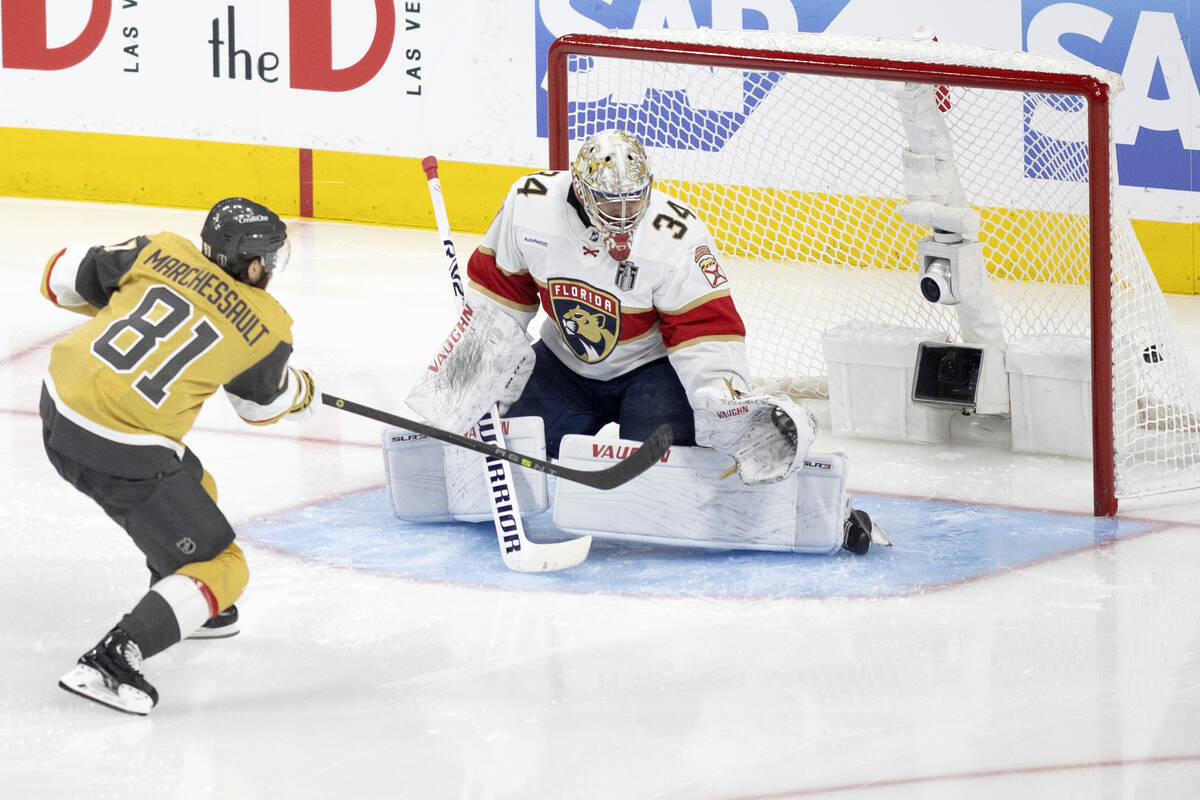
column 515, row 547
column 638, row 462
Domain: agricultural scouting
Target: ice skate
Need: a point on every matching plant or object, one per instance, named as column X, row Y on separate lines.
column 222, row 626
column 109, row 674
column 861, row 533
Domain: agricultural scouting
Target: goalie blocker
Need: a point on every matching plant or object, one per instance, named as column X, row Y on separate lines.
column 485, row 360
column 808, row 512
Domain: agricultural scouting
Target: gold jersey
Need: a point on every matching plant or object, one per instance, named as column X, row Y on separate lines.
column 168, row 329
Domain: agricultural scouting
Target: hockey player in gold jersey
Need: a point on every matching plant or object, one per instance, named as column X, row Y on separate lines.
column 171, row 325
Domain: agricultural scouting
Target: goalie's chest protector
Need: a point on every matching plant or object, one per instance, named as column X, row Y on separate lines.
column 603, row 315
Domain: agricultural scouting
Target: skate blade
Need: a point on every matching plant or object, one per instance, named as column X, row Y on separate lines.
column 878, row 536
column 215, row 633
column 90, row 684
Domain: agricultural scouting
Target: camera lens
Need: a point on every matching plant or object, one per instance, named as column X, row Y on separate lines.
column 930, row 289
column 952, row 369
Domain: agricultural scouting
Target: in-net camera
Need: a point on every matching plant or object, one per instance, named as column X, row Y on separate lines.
column 950, row 265
column 947, row 374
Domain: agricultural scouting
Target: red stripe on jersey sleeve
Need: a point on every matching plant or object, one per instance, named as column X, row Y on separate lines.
column 717, row 317
column 634, row 325
column 518, row 289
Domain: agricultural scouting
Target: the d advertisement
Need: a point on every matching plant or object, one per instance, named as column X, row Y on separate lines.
column 353, row 75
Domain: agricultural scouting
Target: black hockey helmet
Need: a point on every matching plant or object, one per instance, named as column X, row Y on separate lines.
column 238, row 230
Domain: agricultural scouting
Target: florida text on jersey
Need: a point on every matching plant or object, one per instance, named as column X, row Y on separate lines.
column 605, row 317
column 168, row 329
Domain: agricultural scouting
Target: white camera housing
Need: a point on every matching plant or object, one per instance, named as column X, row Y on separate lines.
column 951, row 268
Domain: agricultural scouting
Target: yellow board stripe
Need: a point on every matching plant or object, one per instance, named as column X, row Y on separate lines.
column 108, row 168
column 184, row 173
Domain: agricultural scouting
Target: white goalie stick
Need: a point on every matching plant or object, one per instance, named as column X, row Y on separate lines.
column 518, row 552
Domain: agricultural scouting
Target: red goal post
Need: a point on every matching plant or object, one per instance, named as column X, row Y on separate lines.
column 633, row 61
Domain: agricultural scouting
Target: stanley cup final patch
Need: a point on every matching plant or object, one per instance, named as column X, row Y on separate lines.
column 626, row 275
column 709, row 266
column 588, row 319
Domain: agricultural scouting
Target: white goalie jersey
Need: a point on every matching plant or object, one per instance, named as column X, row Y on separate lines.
column 605, row 318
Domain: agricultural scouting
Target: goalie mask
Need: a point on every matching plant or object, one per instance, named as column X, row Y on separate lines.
column 238, row 230
column 611, row 176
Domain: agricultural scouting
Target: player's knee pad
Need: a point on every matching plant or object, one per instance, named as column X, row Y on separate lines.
column 226, row 575
column 803, row 513
column 429, row 481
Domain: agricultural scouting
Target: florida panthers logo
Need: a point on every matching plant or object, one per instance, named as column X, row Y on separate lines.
column 588, row 319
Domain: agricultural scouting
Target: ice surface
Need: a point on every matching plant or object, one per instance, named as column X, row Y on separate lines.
column 1008, row 645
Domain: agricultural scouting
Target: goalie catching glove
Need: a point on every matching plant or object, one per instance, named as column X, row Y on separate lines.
column 768, row 436
column 486, row 360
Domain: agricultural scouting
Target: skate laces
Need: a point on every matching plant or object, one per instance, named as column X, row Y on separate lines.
column 132, row 655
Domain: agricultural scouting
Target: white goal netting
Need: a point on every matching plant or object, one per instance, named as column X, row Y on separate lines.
column 796, row 168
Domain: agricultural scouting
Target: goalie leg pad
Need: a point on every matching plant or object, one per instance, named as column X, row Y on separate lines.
column 468, row 494
column 428, row 481
column 803, row 513
column 416, row 482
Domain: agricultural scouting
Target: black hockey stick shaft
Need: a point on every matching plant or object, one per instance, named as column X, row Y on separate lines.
column 653, row 449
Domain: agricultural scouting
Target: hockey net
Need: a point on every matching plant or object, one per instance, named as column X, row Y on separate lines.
column 788, row 147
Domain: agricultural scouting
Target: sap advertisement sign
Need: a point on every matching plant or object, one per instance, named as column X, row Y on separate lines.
column 1156, row 118
column 557, row 17
column 1155, row 128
